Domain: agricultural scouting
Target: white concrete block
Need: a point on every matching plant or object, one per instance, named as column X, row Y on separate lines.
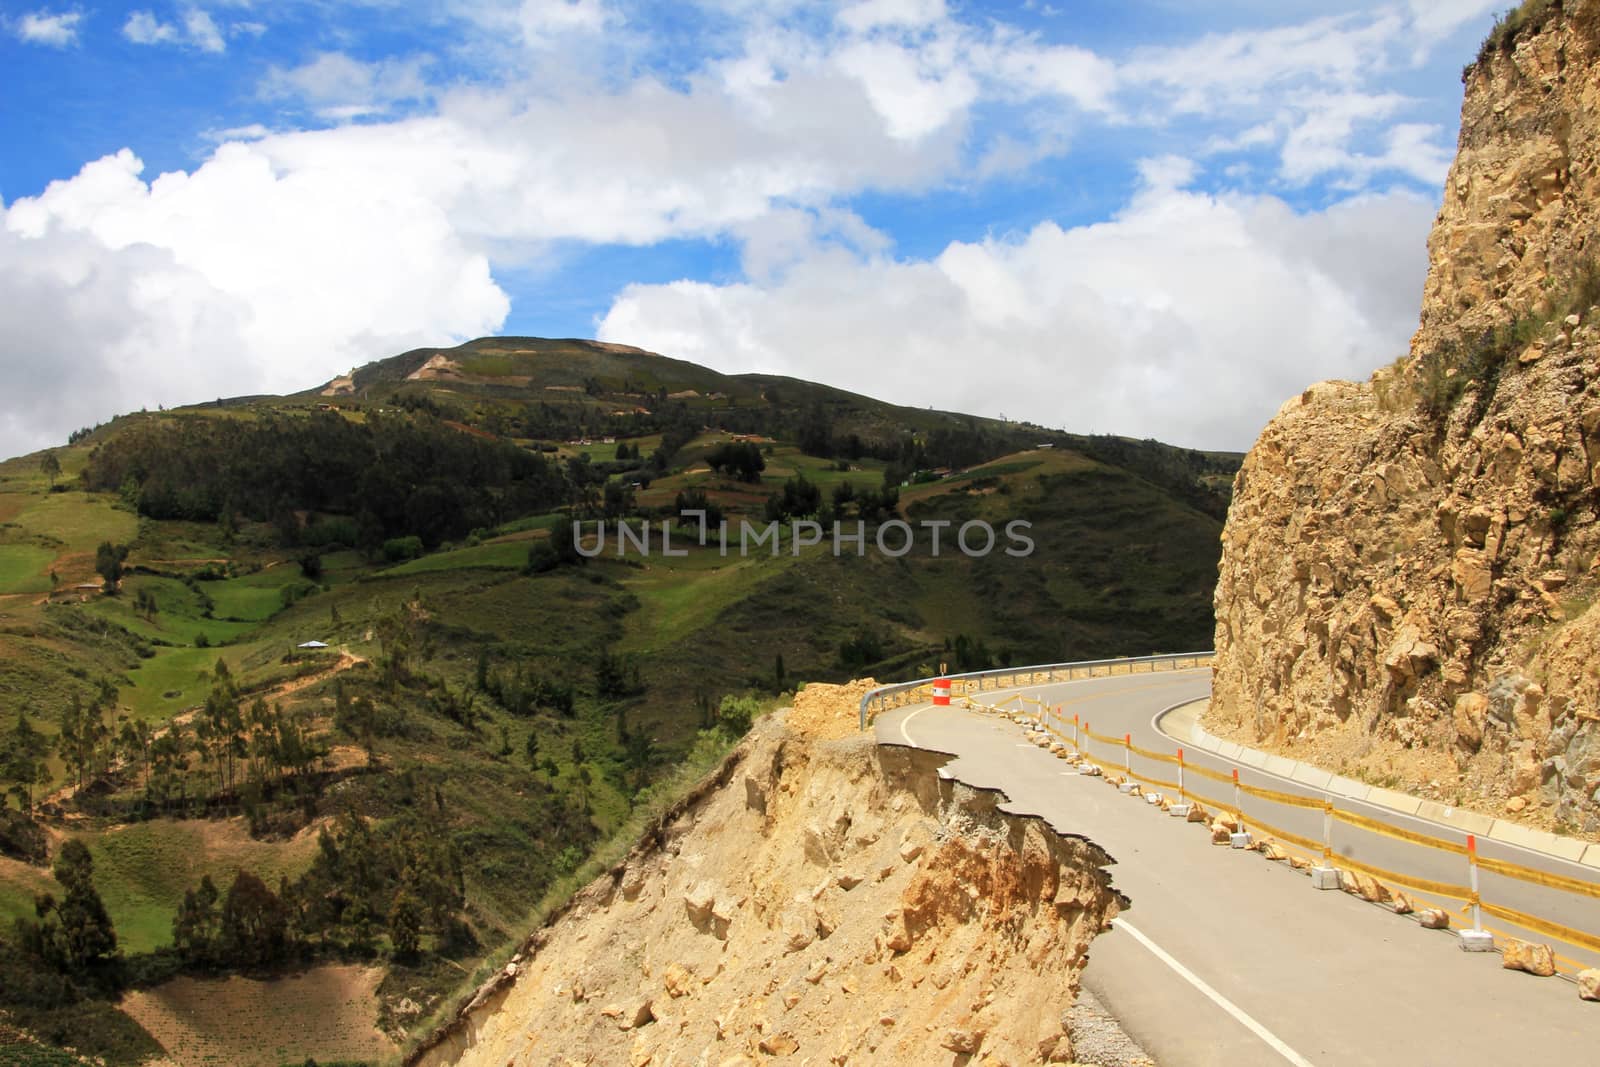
column 1240, row 839
column 1477, row 941
column 1152, row 798
column 1127, row 787
column 1181, row 810
column 1324, row 878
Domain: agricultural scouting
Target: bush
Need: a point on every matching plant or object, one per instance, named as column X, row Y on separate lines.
column 400, row 549
column 735, row 715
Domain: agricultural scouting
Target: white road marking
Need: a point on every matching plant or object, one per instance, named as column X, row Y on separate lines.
column 907, row 722
column 1272, row 1040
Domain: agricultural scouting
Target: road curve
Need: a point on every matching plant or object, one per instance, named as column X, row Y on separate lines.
column 1226, row 959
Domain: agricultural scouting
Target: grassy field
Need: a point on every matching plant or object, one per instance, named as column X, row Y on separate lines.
column 254, row 597
column 179, row 620
column 497, row 555
column 174, row 680
column 25, row 569
column 681, row 596
column 142, row 869
column 78, row 521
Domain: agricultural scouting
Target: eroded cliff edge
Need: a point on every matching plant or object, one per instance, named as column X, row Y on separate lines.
column 832, row 900
column 1408, row 569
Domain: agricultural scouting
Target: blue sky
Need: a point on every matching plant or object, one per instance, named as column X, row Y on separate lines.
column 1157, row 218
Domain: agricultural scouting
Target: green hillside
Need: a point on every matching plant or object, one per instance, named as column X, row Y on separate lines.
column 486, row 707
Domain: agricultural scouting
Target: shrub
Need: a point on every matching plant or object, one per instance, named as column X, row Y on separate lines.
column 735, row 715
column 400, row 549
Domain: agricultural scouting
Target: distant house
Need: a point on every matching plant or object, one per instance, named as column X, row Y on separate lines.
column 313, row 644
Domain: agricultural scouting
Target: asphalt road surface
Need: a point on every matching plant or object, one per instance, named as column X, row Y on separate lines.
column 1227, row 959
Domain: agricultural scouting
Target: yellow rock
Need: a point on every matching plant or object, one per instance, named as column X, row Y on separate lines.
column 1527, row 956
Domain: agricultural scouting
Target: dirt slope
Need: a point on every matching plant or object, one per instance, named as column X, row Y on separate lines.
column 824, row 901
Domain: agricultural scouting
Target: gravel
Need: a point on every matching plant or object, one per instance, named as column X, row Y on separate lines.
column 1099, row 1040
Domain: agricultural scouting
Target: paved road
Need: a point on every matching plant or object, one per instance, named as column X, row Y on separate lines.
column 1226, row 959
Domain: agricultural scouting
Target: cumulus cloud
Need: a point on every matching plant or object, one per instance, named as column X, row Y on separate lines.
column 235, row 279
column 55, row 29
column 194, row 29
column 1187, row 317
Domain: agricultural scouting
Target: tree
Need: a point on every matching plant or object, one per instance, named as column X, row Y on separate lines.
column 561, row 549
column 530, row 748
column 255, row 924
column 610, row 676
column 196, row 924
column 22, row 760
column 108, row 561
column 639, row 753
column 51, row 466
column 739, row 459
column 405, row 924
column 618, row 499
column 78, row 737
column 83, row 934
column 136, row 737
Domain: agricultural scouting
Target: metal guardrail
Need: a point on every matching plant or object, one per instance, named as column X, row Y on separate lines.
column 900, row 694
column 1078, row 742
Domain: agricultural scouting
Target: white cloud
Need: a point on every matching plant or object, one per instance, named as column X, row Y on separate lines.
column 252, row 132
column 868, row 15
column 55, row 29
column 1187, row 317
column 1436, row 19
column 202, row 32
column 237, row 278
column 196, row 29
column 1221, row 72
column 338, row 86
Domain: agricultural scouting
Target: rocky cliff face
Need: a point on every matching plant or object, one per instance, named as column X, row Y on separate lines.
column 828, row 900
column 1409, row 563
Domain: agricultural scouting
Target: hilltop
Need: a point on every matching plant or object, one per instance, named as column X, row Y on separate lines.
column 338, row 640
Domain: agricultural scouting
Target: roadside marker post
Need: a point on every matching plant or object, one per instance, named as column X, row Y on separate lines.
column 1075, row 742
column 1326, row 876
column 1127, row 753
column 1240, row 838
column 1476, row 939
column 1182, row 808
